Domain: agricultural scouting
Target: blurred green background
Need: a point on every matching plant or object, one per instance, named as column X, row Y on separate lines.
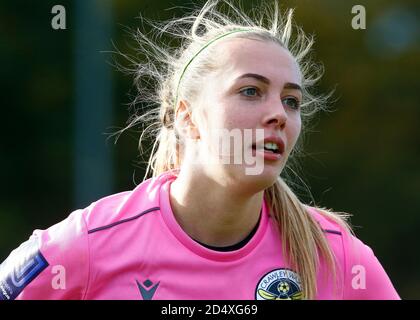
column 60, row 95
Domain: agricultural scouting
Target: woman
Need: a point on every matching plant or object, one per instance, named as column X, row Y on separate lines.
column 214, row 222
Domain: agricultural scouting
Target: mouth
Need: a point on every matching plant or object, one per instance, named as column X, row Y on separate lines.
column 270, row 145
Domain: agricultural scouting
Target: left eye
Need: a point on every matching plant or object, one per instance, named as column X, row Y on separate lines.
column 291, row 102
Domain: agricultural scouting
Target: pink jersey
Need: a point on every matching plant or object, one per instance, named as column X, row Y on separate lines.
column 130, row 246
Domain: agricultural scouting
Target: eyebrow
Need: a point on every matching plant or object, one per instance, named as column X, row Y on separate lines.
column 287, row 85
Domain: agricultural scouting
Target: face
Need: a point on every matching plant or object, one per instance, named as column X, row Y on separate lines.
column 255, row 89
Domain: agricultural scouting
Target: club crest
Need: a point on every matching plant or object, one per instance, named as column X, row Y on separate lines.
column 279, row 284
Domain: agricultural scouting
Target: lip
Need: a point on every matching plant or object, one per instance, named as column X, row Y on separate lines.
column 269, row 155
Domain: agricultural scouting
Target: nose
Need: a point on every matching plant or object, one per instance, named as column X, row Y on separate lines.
column 276, row 115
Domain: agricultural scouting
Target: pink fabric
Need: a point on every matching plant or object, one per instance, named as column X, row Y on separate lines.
column 130, row 246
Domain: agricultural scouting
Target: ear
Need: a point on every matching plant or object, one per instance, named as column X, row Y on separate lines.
column 184, row 121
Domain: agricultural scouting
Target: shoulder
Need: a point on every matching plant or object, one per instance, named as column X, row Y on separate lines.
column 108, row 212
column 335, row 233
column 328, row 224
column 67, row 247
column 364, row 276
column 346, row 243
column 51, row 264
column 124, row 207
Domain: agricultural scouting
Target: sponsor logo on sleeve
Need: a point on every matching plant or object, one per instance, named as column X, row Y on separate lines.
column 20, row 268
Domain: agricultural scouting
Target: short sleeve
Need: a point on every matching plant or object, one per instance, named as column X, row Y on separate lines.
column 365, row 277
column 52, row 264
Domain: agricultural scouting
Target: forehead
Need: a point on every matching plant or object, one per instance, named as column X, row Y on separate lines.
column 239, row 56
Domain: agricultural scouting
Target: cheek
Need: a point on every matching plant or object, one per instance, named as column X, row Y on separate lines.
column 294, row 129
column 224, row 117
column 227, row 114
column 238, row 118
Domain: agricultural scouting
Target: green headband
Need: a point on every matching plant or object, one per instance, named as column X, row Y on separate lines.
column 199, row 51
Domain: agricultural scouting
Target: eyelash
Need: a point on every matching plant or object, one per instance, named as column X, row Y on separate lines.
column 296, row 101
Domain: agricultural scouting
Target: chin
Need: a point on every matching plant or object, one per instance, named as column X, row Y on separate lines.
column 264, row 179
column 252, row 183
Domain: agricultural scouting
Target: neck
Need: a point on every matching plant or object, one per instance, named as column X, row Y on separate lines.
column 210, row 213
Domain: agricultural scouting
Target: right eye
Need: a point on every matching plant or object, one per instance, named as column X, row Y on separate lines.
column 250, row 92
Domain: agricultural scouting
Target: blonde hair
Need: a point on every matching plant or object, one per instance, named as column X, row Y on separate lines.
column 165, row 68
